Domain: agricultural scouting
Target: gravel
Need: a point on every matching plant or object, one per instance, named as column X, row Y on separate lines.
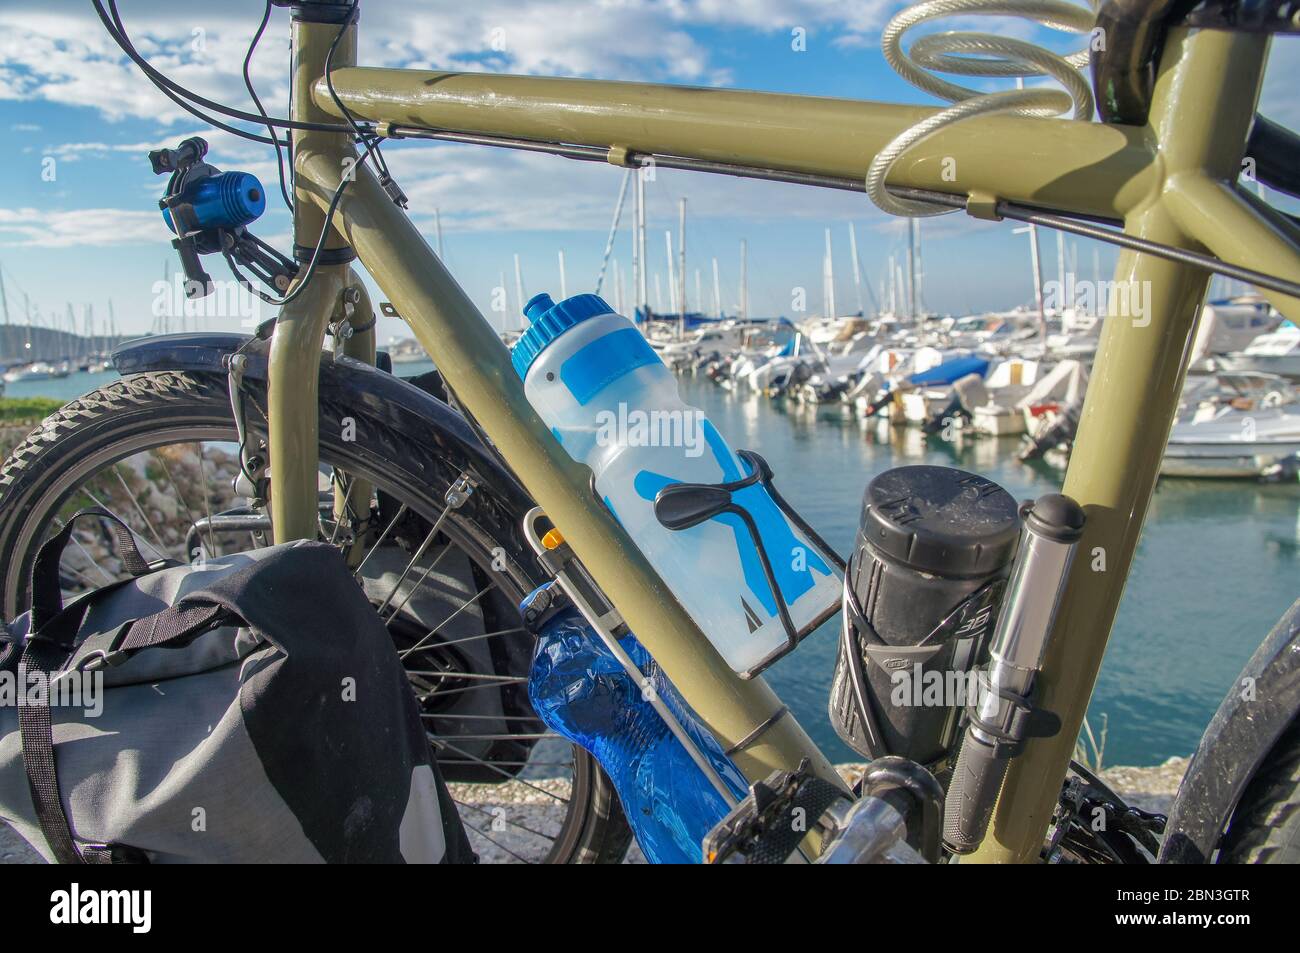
column 507, row 819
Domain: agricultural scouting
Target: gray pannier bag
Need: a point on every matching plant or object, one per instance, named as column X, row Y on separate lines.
column 248, row 709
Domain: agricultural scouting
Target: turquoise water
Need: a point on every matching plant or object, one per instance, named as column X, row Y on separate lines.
column 1218, row 564
column 62, row 388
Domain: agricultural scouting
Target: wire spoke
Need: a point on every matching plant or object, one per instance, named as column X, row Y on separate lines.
column 207, row 506
column 79, row 574
column 420, row 582
column 506, row 820
column 483, row 834
column 89, row 558
column 485, row 635
column 102, row 505
column 509, row 764
column 442, row 742
column 470, row 688
column 345, row 513
column 436, row 629
column 138, row 508
column 189, row 513
column 401, row 511
column 428, row 541
column 457, row 717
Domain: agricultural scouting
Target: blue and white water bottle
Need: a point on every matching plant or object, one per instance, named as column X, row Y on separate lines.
column 613, row 405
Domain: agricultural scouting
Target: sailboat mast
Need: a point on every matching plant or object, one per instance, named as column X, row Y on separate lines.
column 681, row 267
column 744, row 280
column 857, row 271
column 828, row 279
column 893, row 289
column 519, row 290
column 1036, row 266
column 505, row 302
column 672, row 276
column 564, row 282
column 919, row 276
column 902, row 289
column 636, row 249
column 640, row 239
column 717, row 289
column 1060, row 263
column 911, row 269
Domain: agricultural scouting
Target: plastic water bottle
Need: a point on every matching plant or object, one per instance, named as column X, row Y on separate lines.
column 613, row 405
column 578, row 688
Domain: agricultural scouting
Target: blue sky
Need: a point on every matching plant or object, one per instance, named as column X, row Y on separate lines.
column 93, row 234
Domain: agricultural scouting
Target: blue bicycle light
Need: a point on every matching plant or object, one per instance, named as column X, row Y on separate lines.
column 223, row 201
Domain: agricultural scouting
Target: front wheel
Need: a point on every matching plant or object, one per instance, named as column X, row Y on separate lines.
column 1265, row 828
column 160, row 451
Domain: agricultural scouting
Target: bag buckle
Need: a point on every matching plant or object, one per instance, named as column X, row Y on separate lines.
column 101, row 659
column 109, row 657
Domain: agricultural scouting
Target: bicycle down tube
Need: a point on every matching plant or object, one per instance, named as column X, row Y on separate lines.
column 1158, row 179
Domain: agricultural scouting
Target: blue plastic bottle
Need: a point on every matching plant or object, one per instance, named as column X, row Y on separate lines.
column 579, row 689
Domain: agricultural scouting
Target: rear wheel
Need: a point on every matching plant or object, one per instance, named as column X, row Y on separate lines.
column 445, row 570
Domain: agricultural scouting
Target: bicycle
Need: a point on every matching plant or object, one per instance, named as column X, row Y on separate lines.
column 1177, row 90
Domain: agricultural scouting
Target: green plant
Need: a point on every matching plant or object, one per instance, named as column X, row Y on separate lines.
column 1090, row 748
column 26, row 411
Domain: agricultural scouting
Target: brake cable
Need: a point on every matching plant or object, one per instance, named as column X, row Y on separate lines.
column 118, row 32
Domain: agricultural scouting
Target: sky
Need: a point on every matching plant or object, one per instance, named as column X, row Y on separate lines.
column 80, row 226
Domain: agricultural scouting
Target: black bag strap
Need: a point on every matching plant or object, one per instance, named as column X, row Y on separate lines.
column 47, row 594
column 172, row 627
column 51, row 641
column 36, row 729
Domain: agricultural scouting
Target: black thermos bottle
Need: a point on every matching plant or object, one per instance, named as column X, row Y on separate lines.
column 921, row 595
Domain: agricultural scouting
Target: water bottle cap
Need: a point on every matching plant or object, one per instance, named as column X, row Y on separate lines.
column 549, row 321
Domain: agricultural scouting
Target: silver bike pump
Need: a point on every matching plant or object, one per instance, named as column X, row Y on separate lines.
column 1002, row 717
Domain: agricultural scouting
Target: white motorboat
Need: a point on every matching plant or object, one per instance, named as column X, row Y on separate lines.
column 36, row 371
column 996, row 407
column 1275, row 353
column 1234, row 426
column 1229, row 325
column 406, row 351
column 718, row 338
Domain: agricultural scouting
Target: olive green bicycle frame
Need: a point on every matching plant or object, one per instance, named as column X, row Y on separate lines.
column 1170, row 181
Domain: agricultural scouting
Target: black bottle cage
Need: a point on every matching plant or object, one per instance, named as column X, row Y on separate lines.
column 680, row 506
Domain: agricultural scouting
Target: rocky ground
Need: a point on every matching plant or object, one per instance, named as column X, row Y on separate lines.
column 505, row 818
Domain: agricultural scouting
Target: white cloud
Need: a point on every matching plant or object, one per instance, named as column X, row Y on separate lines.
column 89, row 227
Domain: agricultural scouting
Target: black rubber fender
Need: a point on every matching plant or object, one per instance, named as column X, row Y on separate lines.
column 374, row 392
